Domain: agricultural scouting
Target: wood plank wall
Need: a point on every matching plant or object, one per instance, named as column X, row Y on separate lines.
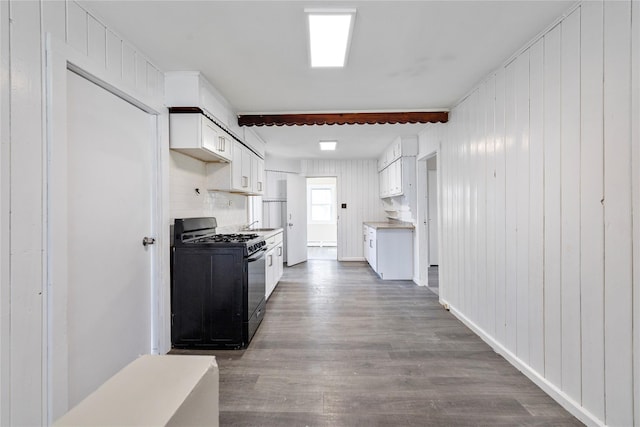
column 537, row 192
column 358, row 188
column 5, row 213
column 23, row 396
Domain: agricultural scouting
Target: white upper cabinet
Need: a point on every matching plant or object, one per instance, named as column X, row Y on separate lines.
column 397, row 167
column 257, row 175
column 196, row 136
column 401, row 146
column 203, row 125
column 244, row 174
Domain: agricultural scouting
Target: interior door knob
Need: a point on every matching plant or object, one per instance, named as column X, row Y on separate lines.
column 148, row 241
column 290, row 224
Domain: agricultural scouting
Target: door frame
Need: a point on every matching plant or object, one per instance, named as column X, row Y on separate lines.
column 338, row 197
column 337, row 210
column 60, row 58
column 422, row 240
column 422, row 228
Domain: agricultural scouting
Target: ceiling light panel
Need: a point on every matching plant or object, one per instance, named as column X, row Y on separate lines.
column 329, row 36
column 328, row 145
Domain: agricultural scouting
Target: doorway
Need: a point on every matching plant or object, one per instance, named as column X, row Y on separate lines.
column 432, row 222
column 322, row 218
column 428, row 226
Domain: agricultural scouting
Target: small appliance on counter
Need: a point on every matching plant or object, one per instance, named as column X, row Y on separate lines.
column 217, row 286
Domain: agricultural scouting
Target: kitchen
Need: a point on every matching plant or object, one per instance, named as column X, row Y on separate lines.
column 575, row 300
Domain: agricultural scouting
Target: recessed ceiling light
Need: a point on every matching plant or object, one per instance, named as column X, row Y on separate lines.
column 329, row 36
column 328, row 145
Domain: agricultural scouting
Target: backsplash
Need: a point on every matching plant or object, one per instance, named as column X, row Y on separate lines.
column 189, row 197
column 229, row 209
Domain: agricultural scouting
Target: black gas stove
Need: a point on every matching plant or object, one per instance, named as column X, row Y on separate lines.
column 202, row 232
column 217, row 285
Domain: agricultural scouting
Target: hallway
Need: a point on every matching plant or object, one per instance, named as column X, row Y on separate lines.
column 340, row 347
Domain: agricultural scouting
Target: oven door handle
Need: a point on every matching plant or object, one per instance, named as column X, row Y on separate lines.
column 257, row 256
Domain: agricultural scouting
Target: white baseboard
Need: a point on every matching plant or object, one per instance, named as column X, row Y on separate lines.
column 552, row 390
column 348, row 259
column 317, row 244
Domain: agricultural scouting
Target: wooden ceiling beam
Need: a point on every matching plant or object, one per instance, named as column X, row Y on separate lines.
column 343, row 118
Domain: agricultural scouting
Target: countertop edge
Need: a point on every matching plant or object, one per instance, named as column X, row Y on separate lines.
column 389, row 225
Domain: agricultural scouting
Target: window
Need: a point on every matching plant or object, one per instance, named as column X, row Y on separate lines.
column 321, row 205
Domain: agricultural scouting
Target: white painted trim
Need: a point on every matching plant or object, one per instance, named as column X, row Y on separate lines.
column 5, row 232
column 434, row 149
column 60, row 58
column 635, row 168
column 558, row 395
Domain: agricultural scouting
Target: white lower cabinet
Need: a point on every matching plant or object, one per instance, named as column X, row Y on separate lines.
column 372, row 252
column 274, row 265
column 389, row 252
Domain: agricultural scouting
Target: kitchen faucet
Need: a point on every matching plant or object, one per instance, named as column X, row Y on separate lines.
column 248, row 226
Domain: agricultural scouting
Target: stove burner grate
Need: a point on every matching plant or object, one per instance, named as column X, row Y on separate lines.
column 226, row 238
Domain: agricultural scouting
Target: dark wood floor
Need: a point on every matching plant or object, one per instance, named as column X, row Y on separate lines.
column 338, row 347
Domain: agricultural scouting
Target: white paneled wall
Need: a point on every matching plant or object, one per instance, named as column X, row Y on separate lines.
column 5, row 213
column 186, row 174
column 537, row 192
column 24, row 325
column 358, row 188
column 86, row 33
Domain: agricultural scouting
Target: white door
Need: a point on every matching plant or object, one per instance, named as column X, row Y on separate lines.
column 422, row 257
column 109, row 209
column 296, row 223
column 433, row 216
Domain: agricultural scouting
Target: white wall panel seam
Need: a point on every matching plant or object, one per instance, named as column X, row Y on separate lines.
column 635, row 114
column 618, row 269
column 552, row 197
column 5, row 212
column 592, row 222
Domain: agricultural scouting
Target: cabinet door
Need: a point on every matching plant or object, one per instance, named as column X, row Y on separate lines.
column 365, row 242
column 397, row 180
column 209, row 135
column 384, row 182
column 389, row 176
column 257, row 174
column 225, row 147
column 279, row 262
column 373, row 254
column 246, row 169
column 391, row 154
column 397, row 149
column 215, row 139
column 260, row 179
column 270, row 272
column 236, row 168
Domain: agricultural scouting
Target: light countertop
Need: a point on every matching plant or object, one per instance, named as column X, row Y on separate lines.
column 266, row 233
column 390, row 225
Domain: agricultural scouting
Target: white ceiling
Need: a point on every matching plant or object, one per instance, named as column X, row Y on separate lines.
column 405, row 55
